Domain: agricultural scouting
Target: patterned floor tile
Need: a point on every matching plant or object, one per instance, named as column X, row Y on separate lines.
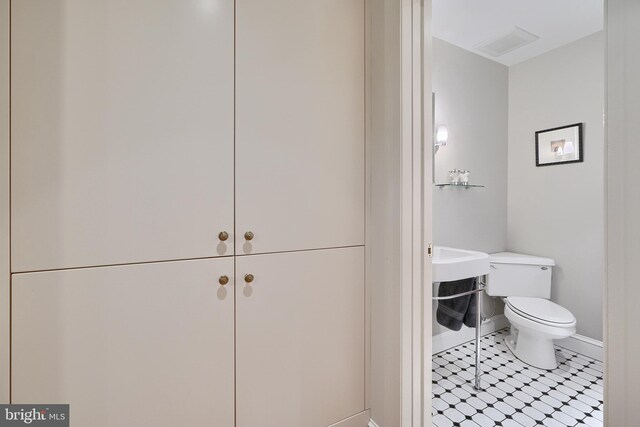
column 515, row 394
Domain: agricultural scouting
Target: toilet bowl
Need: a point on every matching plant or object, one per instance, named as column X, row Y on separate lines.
column 537, row 322
column 524, row 282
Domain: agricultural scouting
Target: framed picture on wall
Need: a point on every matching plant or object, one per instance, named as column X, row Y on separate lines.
column 559, row 145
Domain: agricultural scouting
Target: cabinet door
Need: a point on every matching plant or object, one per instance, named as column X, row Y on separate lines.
column 299, row 124
column 122, row 131
column 300, row 338
column 129, row 346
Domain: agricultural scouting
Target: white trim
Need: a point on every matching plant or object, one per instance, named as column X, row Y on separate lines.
column 356, row 420
column 621, row 333
column 418, row 252
column 413, row 268
column 373, row 424
column 450, row 339
column 5, row 274
column 406, row 221
column 426, row 169
column 583, row 345
column 578, row 343
column 368, row 95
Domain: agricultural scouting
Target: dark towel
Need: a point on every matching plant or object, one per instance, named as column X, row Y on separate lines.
column 470, row 316
column 452, row 313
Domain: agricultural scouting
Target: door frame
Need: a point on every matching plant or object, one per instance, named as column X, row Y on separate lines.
column 621, row 371
column 416, row 204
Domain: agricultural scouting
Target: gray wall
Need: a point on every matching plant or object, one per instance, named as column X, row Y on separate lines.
column 492, row 113
column 472, row 100
column 558, row 211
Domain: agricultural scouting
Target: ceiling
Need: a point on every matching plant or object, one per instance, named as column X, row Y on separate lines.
column 466, row 23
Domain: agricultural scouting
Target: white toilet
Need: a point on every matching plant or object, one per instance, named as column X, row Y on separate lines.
column 525, row 282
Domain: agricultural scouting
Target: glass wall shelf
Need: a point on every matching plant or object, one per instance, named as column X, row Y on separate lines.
column 460, row 185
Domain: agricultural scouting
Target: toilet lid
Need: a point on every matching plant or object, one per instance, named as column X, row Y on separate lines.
column 541, row 309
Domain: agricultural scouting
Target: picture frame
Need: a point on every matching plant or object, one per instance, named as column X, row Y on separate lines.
column 560, row 145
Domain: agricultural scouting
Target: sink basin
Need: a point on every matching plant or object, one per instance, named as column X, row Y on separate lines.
column 455, row 264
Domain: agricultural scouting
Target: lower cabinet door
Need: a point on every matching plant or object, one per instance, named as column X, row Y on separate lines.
column 128, row 346
column 300, row 338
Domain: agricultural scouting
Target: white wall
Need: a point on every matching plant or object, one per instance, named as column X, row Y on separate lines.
column 472, row 100
column 558, row 211
column 622, row 370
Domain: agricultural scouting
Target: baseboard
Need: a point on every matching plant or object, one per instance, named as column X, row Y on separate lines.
column 450, row 339
column 358, row 420
column 373, row 424
column 583, row 345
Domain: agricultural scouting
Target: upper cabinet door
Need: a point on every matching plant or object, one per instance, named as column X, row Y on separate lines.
column 300, row 121
column 122, row 131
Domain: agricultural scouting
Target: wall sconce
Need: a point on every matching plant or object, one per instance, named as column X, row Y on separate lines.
column 442, row 136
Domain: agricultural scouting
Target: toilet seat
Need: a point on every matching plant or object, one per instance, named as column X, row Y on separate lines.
column 542, row 311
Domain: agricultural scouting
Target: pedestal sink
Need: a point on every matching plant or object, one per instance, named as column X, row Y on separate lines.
column 455, row 264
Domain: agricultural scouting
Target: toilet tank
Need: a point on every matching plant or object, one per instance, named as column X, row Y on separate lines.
column 519, row 275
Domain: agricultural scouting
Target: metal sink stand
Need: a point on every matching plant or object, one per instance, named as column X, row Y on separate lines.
column 481, row 280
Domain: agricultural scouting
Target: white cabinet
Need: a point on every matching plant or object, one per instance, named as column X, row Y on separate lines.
column 300, row 145
column 300, row 338
column 121, row 131
column 128, row 346
column 142, row 129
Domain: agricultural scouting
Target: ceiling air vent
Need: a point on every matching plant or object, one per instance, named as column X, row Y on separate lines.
column 505, row 43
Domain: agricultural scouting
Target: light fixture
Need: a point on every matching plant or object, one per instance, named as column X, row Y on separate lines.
column 442, row 136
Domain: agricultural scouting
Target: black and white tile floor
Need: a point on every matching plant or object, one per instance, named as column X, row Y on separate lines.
column 515, row 394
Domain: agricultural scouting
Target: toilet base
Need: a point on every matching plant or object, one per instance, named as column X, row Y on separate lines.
column 533, row 350
column 532, row 342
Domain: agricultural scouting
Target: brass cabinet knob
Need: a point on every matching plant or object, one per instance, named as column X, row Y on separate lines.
column 223, row 280
column 248, row 235
column 248, row 278
column 223, row 236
